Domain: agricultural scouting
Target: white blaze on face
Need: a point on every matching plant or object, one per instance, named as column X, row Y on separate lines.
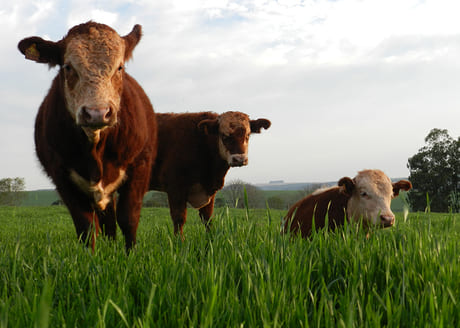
column 234, row 131
column 93, row 66
column 371, row 198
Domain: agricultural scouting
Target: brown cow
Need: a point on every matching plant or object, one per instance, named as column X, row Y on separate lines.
column 95, row 131
column 367, row 197
column 194, row 154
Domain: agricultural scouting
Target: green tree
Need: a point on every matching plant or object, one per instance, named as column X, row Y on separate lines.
column 12, row 191
column 435, row 170
column 276, row 202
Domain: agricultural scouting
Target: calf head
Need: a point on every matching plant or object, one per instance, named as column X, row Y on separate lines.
column 233, row 130
column 91, row 58
column 370, row 194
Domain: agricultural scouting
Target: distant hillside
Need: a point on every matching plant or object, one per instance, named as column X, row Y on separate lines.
column 292, row 186
column 49, row 196
column 40, row 197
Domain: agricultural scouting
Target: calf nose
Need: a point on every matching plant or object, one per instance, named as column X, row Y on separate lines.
column 238, row 160
column 95, row 116
column 387, row 220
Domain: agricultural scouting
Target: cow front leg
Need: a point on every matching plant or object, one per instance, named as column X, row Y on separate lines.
column 178, row 210
column 206, row 213
column 87, row 227
column 108, row 220
column 128, row 213
column 131, row 195
column 84, row 217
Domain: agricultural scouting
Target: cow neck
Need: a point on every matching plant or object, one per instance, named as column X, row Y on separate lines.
column 219, row 171
column 212, row 173
column 97, row 149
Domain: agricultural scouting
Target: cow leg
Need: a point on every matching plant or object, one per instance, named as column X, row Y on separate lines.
column 83, row 215
column 178, row 210
column 206, row 213
column 87, row 226
column 129, row 210
column 129, row 206
column 108, row 220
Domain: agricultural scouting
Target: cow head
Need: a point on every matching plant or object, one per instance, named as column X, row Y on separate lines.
column 233, row 130
column 91, row 59
column 370, row 194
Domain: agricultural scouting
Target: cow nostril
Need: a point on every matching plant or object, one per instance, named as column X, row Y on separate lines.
column 387, row 220
column 86, row 115
column 238, row 160
column 108, row 114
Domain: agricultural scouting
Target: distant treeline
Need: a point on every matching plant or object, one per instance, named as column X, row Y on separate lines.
column 232, row 196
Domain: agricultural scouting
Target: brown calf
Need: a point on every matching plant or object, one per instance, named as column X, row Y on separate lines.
column 367, row 197
column 194, row 154
column 95, row 131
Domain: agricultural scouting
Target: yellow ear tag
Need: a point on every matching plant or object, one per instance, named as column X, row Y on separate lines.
column 32, row 53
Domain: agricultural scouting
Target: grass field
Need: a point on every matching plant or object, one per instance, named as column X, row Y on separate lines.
column 244, row 274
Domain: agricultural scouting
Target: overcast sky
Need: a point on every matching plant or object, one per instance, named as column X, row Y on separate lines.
column 347, row 84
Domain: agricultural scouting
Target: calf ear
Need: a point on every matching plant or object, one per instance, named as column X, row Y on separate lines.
column 256, row 125
column 401, row 184
column 131, row 41
column 209, row 126
column 41, row 51
column 348, row 185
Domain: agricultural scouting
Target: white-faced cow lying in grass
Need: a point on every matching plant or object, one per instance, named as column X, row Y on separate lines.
column 195, row 151
column 95, row 131
column 366, row 197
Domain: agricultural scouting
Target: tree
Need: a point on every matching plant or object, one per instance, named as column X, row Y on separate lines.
column 12, row 191
column 276, row 202
column 435, row 171
column 233, row 193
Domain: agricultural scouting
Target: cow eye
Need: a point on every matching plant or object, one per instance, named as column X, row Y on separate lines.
column 67, row 68
column 364, row 194
column 120, row 68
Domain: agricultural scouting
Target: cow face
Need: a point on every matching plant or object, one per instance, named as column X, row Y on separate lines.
column 371, row 192
column 233, row 130
column 91, row 59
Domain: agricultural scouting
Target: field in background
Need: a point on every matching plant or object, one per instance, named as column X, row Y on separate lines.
column 48, row 197
column 243, row 274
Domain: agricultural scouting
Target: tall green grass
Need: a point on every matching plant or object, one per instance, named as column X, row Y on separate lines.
column 243, row 274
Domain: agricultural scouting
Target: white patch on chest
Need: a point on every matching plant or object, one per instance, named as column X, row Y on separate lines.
column 101, row 194
column 197, row 196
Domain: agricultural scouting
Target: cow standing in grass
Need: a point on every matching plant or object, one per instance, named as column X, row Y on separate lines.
column 194, row 154
column 95, row 131
column 366, row 197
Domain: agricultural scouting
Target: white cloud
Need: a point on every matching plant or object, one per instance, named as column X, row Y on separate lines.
column 82, row 15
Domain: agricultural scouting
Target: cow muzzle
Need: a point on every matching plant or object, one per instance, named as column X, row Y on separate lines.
column 95, row 118
column 387, row 220
column 238, row 160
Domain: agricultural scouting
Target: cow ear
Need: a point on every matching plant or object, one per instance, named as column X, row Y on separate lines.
column 131, row 41
column 256, row 125
column 41, row 51
column 348, row 185
column 401, row 184
column 209, row 126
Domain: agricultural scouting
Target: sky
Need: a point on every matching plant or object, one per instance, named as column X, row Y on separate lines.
column 347, row 84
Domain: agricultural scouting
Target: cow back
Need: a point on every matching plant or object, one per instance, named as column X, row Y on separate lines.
column 330, row 204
